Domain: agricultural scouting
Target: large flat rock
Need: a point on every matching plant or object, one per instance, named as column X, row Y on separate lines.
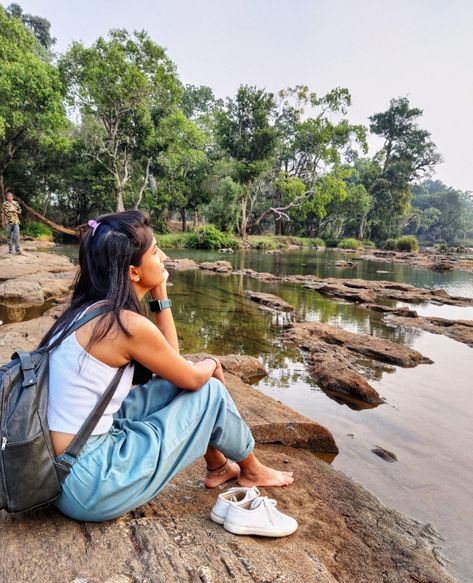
column 345, row 535
column 335, row 356
column 460, row 330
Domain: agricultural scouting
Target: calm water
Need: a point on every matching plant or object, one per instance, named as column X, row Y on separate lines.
column 426, row 419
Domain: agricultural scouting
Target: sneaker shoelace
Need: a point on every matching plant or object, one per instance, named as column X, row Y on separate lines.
column 270, row 506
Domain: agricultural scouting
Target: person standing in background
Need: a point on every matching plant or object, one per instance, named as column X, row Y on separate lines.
column 11, row 212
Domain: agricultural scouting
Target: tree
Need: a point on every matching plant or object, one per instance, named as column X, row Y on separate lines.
column 440, row 213
column 31, row 95
column 246, row 134
column 118, row 86
column 407, row 154
column 314, row 138
column 39, row 26
column 181, row 163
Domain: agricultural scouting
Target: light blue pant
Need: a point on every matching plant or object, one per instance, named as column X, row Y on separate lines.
column 13, row 236
column 159, row 430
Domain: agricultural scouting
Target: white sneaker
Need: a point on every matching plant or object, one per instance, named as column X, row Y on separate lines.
column 231, row 496
column 259, row 516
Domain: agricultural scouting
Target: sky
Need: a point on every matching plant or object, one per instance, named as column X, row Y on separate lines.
column 378, row 49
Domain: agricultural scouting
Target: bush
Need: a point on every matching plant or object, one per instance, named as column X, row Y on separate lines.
column 210, row 237
column 172, row 240
column 368, row 244
column 38, row 231
column 390, row 244
column 442, row 247
column 407, row 243
column 263, row 243
column 308, row 241
column 349, row 244
column 331, row 243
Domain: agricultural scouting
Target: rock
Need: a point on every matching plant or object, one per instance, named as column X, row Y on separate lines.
column 380, row 349
column 37, row 288
column 345, row 534
column 341, row 291
column 261, row 276
column 460, row 330
column 181, row 264
column 342, row 263
column 333, row 368
column 443, row 266
column 334, row 357
column 31, row 263
column 384, row 454
column 406, row 312
column 270, row 300
column 218, row 266
column 274, row 252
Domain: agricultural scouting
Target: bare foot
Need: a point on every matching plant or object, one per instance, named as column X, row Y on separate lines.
column 260, row 475
column 230, row 471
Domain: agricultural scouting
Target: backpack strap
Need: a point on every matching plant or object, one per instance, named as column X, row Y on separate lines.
column 27, row 368
column 78, row 324
column 89, row 424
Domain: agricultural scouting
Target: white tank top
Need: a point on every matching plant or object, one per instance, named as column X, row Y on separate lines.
column 76, row 382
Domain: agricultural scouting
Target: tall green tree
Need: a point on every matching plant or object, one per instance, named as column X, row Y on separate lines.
column 314, row 138
column 408, row 154
column 245, row 131
column 121, row 86
column 31, row 95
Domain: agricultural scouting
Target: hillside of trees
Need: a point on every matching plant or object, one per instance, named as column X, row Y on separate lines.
column 112, row 126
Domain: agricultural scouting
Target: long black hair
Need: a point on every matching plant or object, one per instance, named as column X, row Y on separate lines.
column 107, row 249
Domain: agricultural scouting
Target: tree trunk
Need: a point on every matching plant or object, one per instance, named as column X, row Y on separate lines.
column 196, row 218
column 119, row 199
column 184, row 220
column 362, row 227
column 2, row 188
column 54, row 226
column 244, row 217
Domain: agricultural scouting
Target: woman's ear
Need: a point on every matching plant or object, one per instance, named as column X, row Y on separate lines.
column 133, row 274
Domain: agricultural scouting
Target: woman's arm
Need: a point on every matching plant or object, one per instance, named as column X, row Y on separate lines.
column 148, row 346
column 164, row 319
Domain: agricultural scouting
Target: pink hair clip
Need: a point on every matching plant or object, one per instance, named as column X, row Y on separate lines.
column 94, row 225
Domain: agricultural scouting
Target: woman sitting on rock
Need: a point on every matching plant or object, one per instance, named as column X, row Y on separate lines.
column 150, row 432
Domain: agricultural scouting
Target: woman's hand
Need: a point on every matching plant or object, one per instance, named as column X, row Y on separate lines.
column 218, row 372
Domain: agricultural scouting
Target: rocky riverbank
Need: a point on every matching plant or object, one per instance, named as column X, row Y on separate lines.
column 345, row 533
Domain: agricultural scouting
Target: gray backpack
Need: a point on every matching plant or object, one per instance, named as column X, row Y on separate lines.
column 30, row 476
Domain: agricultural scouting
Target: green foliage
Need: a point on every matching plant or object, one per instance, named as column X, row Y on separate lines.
column 31, row 94
column 407, row 243
column 38, row 231
column 368, row 244
column 442, row 247
column 123, row 87
column 264, row 242
column 350, row 244
column 307, row 241
column 173, row 240
column 210, row 237
column 408, row 153
column 440, row 213
column 390, row 244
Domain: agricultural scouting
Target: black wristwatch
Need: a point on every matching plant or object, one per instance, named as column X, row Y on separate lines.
column 159, row 305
